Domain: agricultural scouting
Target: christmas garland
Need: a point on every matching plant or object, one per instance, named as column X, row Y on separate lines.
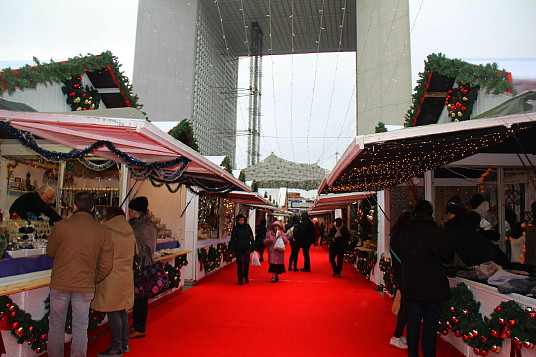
column 468, row 75
column 210, row 260
column 461, row 314
column 35, row 332
column 363, row 265
column 227, row 255
column 56, row 72
column 388, row 282
column 29, row 141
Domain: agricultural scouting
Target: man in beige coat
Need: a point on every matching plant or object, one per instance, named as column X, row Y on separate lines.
column 83, row 256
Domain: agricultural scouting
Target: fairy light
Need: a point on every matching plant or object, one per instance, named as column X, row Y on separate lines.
column 321, row 11
column 246, row 42
column 222, row 27
column 341, row 26
column 382, row 165
column 273, row 83
column 292, row 35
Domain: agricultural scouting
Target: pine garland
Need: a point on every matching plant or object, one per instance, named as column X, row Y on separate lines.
column 227, row 255
column 388, row 281
column 509, row 320
column 487, row 76
column 35, row 332
column 28, row 77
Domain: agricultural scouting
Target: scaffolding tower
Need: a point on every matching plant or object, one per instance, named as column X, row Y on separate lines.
column 255, row 84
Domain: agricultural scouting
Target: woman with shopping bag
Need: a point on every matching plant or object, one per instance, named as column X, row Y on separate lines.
column 275, row 241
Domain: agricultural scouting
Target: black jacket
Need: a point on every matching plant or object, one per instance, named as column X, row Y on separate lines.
column 339, row 242
column 31, row 202
column 424, row 250
column 306, row 233
column 241, row 238
column 471, row 245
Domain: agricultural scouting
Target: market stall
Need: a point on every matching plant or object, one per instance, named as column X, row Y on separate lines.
column 139, row 159
column 435, row 162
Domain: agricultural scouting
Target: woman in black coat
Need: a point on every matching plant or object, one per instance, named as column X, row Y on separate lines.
column 242, row 244
column 424, row 251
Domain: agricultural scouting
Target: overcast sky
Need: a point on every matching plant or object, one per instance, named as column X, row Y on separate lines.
column 310, row 98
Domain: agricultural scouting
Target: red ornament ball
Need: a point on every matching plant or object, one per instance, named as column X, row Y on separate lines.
column 528, row 345
column 15, row 325
column 495, row 348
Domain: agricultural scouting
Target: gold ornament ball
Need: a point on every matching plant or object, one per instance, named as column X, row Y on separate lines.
column 76, row 100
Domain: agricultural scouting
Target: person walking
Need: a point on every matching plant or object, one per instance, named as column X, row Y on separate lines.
column 242, row 244
column 260, row 234
column 292, row 233
column 305, row 237
column 339, row 236
column 424, row 251
column 145, row 231
column 115, row 294
column 276, row 257
column 398, row 340
column 83, row 256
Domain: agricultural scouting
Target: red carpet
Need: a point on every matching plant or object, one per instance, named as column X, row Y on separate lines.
column 305, row 314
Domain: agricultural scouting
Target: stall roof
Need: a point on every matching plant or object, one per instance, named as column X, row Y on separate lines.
column 378, row 161
column 333, row 201
column 249, row 198
column 135, row 137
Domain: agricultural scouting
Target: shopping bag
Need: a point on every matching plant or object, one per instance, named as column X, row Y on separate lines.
column 279, row 244
column 396, row 303
column 255, row 259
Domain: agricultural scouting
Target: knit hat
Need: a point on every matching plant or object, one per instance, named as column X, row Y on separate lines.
column 454, row 208
column 139, row 204
column 277, row 223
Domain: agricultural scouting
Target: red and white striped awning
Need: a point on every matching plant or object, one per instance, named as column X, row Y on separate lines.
column 334, row 201
column 136, row 137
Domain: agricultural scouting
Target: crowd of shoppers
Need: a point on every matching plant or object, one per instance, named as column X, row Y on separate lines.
column 93, row 267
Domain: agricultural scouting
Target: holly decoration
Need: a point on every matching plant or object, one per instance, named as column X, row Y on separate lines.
column 78, row 97
column 460, row 101
column 461, row 314
column 35, row 332
column 488, row 77
column 56, row 72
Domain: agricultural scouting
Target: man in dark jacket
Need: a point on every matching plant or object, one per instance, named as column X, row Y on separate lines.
column 34, row 204
column 423, row 252
column 339, row 236
column 305, row 237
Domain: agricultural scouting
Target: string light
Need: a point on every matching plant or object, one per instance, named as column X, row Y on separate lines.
column 382, row 165
column 321, row 11
column 341, row 26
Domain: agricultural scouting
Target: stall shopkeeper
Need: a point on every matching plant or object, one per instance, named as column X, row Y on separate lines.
column 34, row 204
